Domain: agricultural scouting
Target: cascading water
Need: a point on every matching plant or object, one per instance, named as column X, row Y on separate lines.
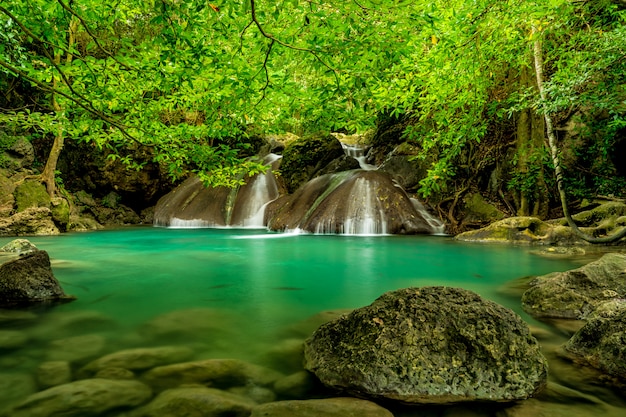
column 262, row 190
column 358, row 153
column 366, row 214
column 439, row 228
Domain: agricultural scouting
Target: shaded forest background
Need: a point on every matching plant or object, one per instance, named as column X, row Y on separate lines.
column 145, row 93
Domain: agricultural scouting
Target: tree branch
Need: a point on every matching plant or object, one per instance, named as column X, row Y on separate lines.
column 278, row 41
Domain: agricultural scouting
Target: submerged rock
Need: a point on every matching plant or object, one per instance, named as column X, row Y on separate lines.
column 429, row 345
column 577, row 292
column 219, row 373
column 329, row 407
column 196, row 401
column 29, row 280
column 82, row 398
column 19, row 246
column 139, row 359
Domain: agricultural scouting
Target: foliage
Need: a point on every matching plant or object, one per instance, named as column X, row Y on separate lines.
column 190, row 80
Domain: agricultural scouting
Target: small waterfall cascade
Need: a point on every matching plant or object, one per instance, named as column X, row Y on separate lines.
column 355, row 202
column 261, row 190
column 358, row 152
column 435, row 223
column 192, row 205
column 365, row 214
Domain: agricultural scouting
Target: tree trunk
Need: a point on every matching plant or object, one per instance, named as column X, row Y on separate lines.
column 531, row 198
column 49, row 171
column 554, row 151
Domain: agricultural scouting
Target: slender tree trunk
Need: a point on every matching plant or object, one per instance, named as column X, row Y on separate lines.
column 554, row 151
column 49, row 170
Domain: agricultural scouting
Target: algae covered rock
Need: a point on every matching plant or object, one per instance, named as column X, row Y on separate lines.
column 329, row 407
column 528, row 230
column 87, row 397
column 429, row 345
column 577, row 292
column 28, row 280
column 601, row 342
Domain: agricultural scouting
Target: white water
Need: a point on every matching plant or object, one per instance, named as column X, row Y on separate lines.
column 436, row 224
column 358, row 153
column 264, row 190
column 176, row 223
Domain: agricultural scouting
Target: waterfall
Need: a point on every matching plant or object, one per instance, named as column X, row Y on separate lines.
column 252, row 199
column 358, row 153
column 365, row 216
column 436, row 224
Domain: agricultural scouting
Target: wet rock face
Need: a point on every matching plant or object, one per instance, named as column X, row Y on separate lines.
column 351, row 202
column 28, row 280
column 431, row 345
column 601, row 342
column 576, row 293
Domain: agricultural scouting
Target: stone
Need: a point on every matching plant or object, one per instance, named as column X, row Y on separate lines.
column 29, row 280
column 575, row 293
column 76, row 348
column 296, row 386
column 15, row 387
column 259, row 395
column 349, row 202
column 430, row 345
column 525, row 230
column 33, row 221
column 139, row 359
column 83, row 398
column 601, row 342
column 57, row 325
column 330, row 407
column 19, row 246
column 194, row 324
column 53, row 373
column 286, row 355
column 478, row 210
column 12, row 339
column 16, row 316
column 115, row 373
column 218, row 373
column 196, row 401
column 31, row 194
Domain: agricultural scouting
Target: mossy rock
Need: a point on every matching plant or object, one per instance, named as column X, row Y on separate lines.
column 60, row 212
column 478, row 209
column 305, row 158
column 31, row 194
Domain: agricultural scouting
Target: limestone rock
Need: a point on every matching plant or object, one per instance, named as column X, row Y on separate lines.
column 194, row 324
column 12, row 339
column 33, row 221
column 306, row 157
column 31, row 194
column 528, row 230
column 429, row 345
column 87, row 397
column 139, row 359
column 330, row 407
column 19, row 246
column 219, row 373
column 77, row 348
column 576, row 293
column 53, row 373
column 296, row 386
column 601, row 342
column 196, row 401
column 29, row 279
column 349, row 202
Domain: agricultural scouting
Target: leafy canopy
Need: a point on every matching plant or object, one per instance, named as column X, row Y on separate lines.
column 191, row 79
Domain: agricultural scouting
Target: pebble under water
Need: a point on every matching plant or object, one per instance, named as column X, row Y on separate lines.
column 239, row 293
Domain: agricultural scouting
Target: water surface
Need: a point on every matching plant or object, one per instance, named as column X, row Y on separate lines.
column 265, row 282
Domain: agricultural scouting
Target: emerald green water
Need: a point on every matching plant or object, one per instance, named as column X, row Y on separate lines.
column 265, row 282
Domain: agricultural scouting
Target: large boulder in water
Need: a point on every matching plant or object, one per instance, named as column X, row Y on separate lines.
column 350, row 202
column 574, row 294
column 29, row 280
column 429, row 345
